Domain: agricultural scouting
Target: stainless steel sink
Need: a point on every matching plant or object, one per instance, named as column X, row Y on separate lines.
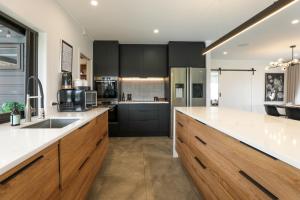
column 52, row 123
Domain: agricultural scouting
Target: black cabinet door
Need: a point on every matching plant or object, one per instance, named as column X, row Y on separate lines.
column 186, row 54
column 164, row 119
column 178, row 54
column 195, row 57
column 131, row 59
column 123, row 116
column 155, row 61
column 106, row 58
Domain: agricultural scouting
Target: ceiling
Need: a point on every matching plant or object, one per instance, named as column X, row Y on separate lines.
column 133, row 21
column 269, row 40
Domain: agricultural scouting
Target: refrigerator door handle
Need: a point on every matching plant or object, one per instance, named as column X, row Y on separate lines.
column 190, row 87
column 187, row 87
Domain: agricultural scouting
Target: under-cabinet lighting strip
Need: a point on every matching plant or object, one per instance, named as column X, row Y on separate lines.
column 142, row 79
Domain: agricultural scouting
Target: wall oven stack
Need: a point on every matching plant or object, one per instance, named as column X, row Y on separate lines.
column 107, row 88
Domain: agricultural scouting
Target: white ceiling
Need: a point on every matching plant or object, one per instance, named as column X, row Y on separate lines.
column 270, row 40
column 133, row 21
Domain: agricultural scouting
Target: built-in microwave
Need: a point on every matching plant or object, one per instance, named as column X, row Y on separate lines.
column 107, row 88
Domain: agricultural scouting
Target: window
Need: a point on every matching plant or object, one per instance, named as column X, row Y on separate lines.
column 214, row 88
column 18, row 60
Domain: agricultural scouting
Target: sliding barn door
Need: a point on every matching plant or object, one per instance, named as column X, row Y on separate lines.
column 235, row 90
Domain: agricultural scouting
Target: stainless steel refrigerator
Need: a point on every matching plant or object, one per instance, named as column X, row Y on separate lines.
column 188, row 88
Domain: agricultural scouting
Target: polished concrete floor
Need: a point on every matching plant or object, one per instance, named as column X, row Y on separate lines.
column 142, row 169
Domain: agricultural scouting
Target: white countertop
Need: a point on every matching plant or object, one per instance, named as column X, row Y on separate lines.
column 143, row 102
column 278, row 137
column 17, row 145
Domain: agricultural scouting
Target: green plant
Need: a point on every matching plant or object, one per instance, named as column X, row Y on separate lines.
column 8, row 106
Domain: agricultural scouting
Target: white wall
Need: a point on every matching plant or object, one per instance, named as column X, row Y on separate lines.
column 258, row 84
column 53, row 24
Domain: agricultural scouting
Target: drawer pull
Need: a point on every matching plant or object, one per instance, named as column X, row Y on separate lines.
column 5, row 181
column 180, row 140
column 180, row 124
column 200, row 140
column 82, row 165
column 84, row 125
column 199, row 162
column 99, row 142
column 258, row 150
column 258, row 185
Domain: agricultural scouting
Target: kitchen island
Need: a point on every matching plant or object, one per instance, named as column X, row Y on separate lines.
column 239, row 155
column 43, row 163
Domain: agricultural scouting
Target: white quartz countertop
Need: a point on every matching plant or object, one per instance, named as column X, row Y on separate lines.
column 17, row 144
column 278, row 137
column 143, row 102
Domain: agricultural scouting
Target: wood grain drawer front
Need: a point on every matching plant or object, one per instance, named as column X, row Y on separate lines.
column 36, row 178
column 78, row 189
column 74, row 150
column 102, row 123
column 226, row 174
column 278, row 179
column 182, row 128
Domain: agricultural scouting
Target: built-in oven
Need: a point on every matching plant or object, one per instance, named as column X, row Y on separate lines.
column 107, row 88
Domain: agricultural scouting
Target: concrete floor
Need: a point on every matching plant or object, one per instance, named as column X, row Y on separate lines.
column 142, row 169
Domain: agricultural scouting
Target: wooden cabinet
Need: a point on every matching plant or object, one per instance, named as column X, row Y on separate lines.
column 230, row 168
column 65, row 170
column 89, row 144
column 143, row 120
column 186, row 54
column 138, row 60
column 106, row 58
column 35, row 178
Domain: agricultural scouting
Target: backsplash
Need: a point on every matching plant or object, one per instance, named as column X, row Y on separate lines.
column 144, row 90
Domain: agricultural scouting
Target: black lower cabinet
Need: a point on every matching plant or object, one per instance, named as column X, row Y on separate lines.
column 143, row 120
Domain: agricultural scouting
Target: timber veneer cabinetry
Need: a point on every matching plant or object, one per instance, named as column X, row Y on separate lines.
column 225, row 168
column 65, row 170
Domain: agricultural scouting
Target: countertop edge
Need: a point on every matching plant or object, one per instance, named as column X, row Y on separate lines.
column 280, row 157
column 36, row 150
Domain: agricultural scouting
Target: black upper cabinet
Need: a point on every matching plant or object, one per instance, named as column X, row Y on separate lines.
column 143, row 60
column 155, row 61
column 106, row 58
column 132, row 59
column 186, row 54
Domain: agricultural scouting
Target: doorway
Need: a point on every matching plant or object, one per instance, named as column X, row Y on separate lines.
column 85, row 70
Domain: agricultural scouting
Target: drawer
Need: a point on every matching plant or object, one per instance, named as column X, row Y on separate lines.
column 35, row 178
column 142, row 107
column 80, row 185
column 74, row 150
column 225, row 174
column 143, row 128
column 185, row 158
column 181, row 126
column 277, row 178
column 143, row 115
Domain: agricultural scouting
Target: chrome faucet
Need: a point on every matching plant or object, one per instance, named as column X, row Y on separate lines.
column 28, row 108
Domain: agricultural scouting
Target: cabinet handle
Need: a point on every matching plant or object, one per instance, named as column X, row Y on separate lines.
column 5, row 181
column 199, row 162
column 258, row 185
column 180, row 140
column 84, row 125
column 99, row 142
column 200, row 140
column 180, row 124
column 85, row 161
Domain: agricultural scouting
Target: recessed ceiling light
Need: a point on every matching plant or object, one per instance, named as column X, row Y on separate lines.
column 94, row 2
column 155, row 31
column 295, row 21
column 225, row 53
column 1, row 31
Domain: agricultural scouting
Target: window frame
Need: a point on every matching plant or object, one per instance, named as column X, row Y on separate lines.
column 31, row 53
